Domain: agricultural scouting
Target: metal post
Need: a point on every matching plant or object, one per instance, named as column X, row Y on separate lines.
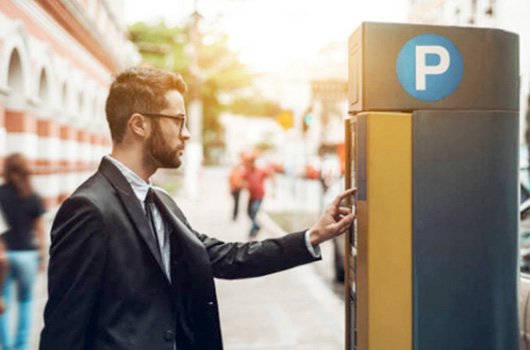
column 194, row 153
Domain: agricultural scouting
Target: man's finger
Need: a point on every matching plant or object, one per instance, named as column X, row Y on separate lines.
column 344, row 210
column 346, row 221
column 343, row 195
column 342, row 224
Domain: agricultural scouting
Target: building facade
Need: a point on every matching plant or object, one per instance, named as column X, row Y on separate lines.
column 56, row 61
column 329, row 101
column 510, row 15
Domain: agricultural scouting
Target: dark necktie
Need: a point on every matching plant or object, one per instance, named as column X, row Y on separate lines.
column 149, row 207
column 149, row 203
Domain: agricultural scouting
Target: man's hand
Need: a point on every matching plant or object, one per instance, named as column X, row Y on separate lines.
column 334, row 221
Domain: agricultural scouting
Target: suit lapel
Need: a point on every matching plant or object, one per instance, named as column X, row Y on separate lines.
column 133, row 207
column 194, row 256
column 167, row 205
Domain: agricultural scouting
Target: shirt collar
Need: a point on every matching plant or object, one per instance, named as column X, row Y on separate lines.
column 139, row 185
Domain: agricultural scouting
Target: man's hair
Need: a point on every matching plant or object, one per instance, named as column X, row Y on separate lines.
column 136, row 90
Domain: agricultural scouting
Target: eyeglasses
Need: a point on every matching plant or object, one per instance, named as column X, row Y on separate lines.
column 182, row 118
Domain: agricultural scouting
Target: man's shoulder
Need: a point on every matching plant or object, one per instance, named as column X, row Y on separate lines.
column 95, row 184
column 96, row 190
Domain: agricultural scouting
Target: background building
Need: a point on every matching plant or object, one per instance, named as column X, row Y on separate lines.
column 56, row 60
column 329, row 101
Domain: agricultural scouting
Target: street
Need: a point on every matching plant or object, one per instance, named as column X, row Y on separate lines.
column 291, row 310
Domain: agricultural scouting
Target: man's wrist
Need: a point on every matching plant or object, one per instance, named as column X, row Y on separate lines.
column 313, row 249
column 314, row 237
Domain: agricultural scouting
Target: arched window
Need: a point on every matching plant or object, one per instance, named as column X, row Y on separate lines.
column 44, row 89
column 79, row 110
column 93, row 110
column 64, row 97
column 71, row 101
column 15, row 81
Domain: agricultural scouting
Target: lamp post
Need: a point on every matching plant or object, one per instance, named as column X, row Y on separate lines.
column 194, row 152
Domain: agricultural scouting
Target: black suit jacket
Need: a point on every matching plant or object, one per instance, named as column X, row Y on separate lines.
column 107, row 289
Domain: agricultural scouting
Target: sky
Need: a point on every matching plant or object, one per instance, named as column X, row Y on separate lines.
column 269, row 33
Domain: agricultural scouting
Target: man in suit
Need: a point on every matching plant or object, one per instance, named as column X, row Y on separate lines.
column 127, row 271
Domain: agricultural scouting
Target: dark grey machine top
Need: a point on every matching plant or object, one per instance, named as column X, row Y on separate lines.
column 477, row 69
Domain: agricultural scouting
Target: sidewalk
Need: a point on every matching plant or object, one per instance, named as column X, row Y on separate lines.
column 291, row 310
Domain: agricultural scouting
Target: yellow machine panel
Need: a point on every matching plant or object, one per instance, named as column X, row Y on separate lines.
column 384, row 232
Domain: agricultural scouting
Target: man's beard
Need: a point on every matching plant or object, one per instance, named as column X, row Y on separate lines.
column 158, row 152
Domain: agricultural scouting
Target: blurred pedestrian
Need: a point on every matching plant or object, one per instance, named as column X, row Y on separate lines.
column 25, row 244
column 255, row 183
column 127, row 270
column 236, row 184
column 4, row 265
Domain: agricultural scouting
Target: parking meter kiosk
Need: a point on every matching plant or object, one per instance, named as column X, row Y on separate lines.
column 433, row 150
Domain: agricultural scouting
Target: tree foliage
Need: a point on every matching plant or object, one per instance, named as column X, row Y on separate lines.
column 254, row 107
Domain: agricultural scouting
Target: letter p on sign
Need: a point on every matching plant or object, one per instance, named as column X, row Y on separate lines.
column 429, row 67
column 422, row 69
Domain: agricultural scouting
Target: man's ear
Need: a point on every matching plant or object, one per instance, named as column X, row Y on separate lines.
column 138, row 125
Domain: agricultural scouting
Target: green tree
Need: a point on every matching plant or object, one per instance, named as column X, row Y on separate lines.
column 254, row 107
column 161, row 46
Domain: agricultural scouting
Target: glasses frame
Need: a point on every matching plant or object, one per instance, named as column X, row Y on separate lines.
column 162, row 115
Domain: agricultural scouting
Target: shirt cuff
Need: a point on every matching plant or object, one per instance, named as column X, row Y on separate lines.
column 314, row 251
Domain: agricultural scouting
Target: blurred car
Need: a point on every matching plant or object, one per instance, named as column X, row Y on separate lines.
column 313, row 166
column 311, row 172
column 524, row 250
column 524, row 174
column 524, row 285
column 524, row 237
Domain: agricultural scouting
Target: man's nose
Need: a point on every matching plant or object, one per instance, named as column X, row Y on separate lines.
column 185, row 133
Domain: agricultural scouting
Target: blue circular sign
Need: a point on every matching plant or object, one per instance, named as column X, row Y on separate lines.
column 429, row 67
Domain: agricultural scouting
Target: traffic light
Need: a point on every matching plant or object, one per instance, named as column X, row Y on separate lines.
column 308, row 120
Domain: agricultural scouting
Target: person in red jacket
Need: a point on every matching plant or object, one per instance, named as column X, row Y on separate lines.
column 255, row 183
column 236, row 184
